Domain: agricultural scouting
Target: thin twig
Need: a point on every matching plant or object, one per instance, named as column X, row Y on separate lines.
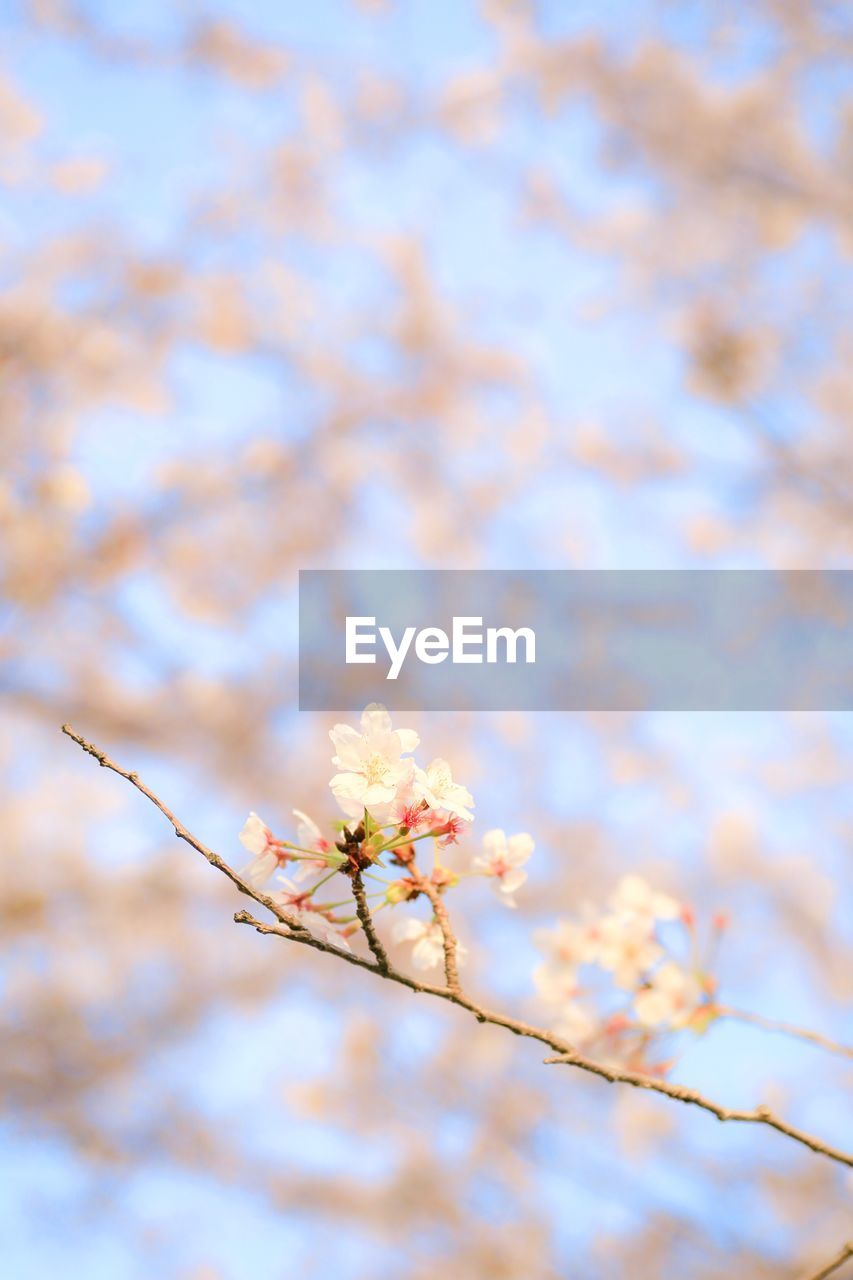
column 426, row 887
column 366, row 920
column 183, row 834
column 784, row 1028
column 293, row 931
column 757, row 1115
column 839, row 1260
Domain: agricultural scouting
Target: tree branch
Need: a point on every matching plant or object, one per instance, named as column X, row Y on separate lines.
column 183, row 834
column 439, row 910
column 757, row 1115
column 366, row 921
column 293, row 931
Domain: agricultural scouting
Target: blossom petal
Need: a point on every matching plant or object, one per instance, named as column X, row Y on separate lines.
column 375, row 719
column 255, row 835
column 261, row 868
column 427, row 954
column 512, row 880
column 308, row 831
column 494, row 843
column 665, row 907
column 408, row 929
column 409, row 740
column 347, row 743
column 519, row 849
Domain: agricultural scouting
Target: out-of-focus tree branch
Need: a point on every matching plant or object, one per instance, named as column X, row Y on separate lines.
column 785, row 1029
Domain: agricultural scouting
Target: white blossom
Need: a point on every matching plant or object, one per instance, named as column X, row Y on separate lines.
column 323, row 929
column 372, row 772
column 428, row 949
column 290, row 894
column 290, row 900
column 435, row 785
column 570, row 944
column 309, row 836
column 258, row 839
column 555, row 983
column 670, row 998
column 576, row 1024
column 634, row 897
column 503, row 859
column 628, row 948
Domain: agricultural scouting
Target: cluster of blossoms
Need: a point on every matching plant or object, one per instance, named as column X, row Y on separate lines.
column 621, row 977
column 390, row 803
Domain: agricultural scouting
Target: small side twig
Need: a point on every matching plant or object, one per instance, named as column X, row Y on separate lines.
column 448, row 938
column 285, row 917
column 681, row 1093
column 785, row 1029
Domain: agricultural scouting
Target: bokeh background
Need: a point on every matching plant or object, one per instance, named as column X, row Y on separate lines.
column 428, row 283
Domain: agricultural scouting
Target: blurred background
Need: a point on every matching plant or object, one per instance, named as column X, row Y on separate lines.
column 432, row 283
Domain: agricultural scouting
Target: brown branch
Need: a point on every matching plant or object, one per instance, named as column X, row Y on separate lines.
column 295, row 932
column 439, row 910
column 415, row 984
column 183, row 834
column 840, row 1258
column 784, row 1028
column 757, row 1115
column 366, row 920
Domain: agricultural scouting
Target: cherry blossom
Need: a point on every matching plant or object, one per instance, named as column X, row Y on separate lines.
column 570, row 944
column 577, row 1024
column 449, row 832
column 670, row 997
column 291, row 899
column 628, row 948
column 377, row 774
column 309, row 836
column 258, row 839
column 555, row 983
column 634, row 897
column 413, row 814
column 428, row 949
column 504, row 859
column 372, row 771
column 664, row 996
column 290, row 894
column 322, row 929
column 435, row 785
